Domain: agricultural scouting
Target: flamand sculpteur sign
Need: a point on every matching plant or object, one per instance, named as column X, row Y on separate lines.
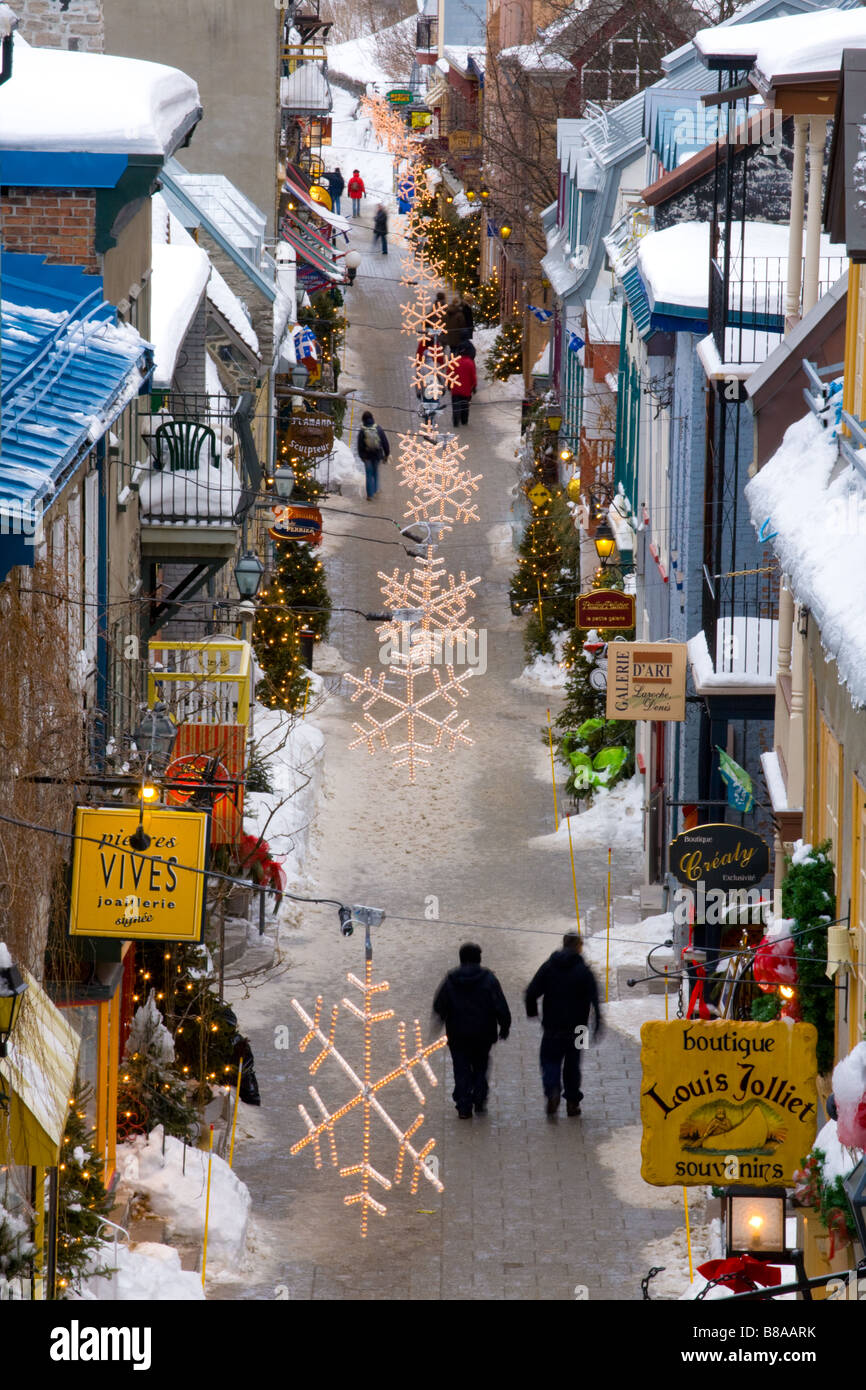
column 720, row 856
column 726, row 1102
column 120, row 892
column 311, row 436
column 646, row 680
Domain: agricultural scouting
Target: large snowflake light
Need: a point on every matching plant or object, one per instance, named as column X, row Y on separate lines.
column 441, row 608
column 367, row 1096
column 422, row 316
column 410, row 710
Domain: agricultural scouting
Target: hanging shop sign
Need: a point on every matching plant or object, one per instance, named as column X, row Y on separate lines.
column 137, row 896
column 420, row 120
column 647, row 680
column 719, row 856
column 726, row 1102
column 297, row 523
column 400, row 96
column 223, row 748
column 539, row 495
column 464, row 140
column 606, row 608
column 311, row 436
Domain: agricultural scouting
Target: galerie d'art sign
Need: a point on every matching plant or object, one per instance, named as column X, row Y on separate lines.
column 120, row 892
column 646, row 680
column 719, row 855
column 726, row 1102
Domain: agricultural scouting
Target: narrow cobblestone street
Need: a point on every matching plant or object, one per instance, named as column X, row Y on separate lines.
column 528, row 1212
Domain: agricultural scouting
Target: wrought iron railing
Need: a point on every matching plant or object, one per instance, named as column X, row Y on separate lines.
column 748, row 323
column 191, row 477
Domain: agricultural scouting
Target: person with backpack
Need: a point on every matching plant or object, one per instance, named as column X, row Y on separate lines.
column 455, row 324
column 380, row 228
column 356, row 192
column 570, row 994
column 336, row 185
column 472, row 1006
column 373, row 449
column 463, row 379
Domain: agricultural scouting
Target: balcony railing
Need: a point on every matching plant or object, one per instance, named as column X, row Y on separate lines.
column 744, row 635
column 190, row 479
column 201, row 682
column 750, row 325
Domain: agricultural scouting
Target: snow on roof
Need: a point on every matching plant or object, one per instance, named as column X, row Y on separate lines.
column 178, row 281
column 59, row 100
column 8, row 21
column 798, row 43
column 806, row 504
column 604, row 320
column 362, row 60
column 306, row 89
column 542, row 362
column 459, row 54
column 533, row 57
column 226, row 302
column 673, row 262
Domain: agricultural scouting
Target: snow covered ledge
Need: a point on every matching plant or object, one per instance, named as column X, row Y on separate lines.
column 757, row 666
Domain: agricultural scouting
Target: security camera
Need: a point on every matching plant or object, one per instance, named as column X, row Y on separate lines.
column 347, row 926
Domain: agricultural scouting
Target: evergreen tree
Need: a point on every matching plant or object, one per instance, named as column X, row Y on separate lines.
column 506, row 356
column 488, row 298
column 150, row 1091
column 586, row 739
column 16, row 1248
column 456, row 245
column 546, row 579
column 82, row 1199
column 296, row 597
column 201, row 1026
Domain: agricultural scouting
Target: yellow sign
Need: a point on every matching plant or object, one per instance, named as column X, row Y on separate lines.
column 646, row 680
column 464, row 140
column 118, row 891
column 726, row 1102
column 538, row 495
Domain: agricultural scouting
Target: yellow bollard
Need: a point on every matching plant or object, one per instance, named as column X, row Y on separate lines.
column 540, row 609
column 573, row 875
column 207, row 1208
column 688, row 1234
column 306, row 696
column 235, row 1117
column 552, row 772
column 607, row 953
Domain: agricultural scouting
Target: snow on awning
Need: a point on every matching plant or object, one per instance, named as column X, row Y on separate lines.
column 178, row 282
column 39, row 1076
column 297, row 190
column 542, row 365
column 746, row 656
column 226, row 303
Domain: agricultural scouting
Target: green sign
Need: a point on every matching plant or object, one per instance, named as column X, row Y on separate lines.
column 401, row 96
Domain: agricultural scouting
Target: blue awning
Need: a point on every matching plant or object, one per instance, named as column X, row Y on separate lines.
column 68, row 370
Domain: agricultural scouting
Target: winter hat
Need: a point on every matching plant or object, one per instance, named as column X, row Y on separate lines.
column 367, row 418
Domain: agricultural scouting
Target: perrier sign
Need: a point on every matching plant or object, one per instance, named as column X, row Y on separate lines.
column 726, row 1102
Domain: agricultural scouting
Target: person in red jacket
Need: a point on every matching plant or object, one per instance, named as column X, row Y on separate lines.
column 356, row 192
column 463, row 381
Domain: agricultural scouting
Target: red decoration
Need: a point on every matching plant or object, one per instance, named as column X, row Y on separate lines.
column 254, row 860
column 697, row 1003
column 185, row 776
column 741, row 1274
column 775, row 964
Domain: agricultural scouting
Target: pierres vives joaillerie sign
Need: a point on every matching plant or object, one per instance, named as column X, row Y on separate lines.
column 120, row 892
column 726, row 1102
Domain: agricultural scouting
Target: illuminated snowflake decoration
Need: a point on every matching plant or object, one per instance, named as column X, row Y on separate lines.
column 432, row 374
column 423, row 270
column 410, row 712
column 367, row 1097
column 442, row 623
column 422, row 316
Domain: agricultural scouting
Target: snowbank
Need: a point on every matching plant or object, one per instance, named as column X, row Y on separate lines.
column 150, row 1271
column 546, row 671
column 175, row 1183
column 341, row 468
column 294, row 751
column 615, row 819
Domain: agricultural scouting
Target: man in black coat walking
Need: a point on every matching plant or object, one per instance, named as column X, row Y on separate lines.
column 570, row 992
column 472, row 1006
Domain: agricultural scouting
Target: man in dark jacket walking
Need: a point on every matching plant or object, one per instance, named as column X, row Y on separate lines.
column 570, row 992
column 380, row 228
column 373, row 449
column 472, row 1006
column 336, row 185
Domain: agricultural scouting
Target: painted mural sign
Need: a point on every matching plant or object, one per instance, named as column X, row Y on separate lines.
column 726, row 1102
column 646, row 680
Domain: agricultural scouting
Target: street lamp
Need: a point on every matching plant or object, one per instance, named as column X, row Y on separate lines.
column 156, row 734
column 604, row 542
column 300, row 375
column 284, row 481
column 249, row 569
column 12, row 989
column 755, row 1222
column 554, row 419
column 505, row 232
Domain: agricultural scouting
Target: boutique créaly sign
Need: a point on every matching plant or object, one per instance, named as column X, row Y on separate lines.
column 721, row 855
column 139, row 895
column 726, row 1102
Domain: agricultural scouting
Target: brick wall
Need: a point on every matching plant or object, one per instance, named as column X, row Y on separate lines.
column 76, row 24
column 59, row 224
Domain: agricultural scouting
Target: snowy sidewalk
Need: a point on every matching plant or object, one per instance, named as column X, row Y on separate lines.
column 533, row 1208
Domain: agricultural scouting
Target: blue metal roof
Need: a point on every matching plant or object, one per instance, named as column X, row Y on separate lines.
column 635, row 292
column 68, row 370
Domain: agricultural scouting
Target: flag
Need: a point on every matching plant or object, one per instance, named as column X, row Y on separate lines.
column 738, row 782
column 541, row 314
column 575, row 343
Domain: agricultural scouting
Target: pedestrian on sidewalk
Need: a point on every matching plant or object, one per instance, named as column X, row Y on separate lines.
column 463, row 380
column 467, row 349
column 455, row 324
column 356, row 192
column 472, row 1006
column 570, row 993
column 373, row 449
column 336, row 185
column 467, row 304
column 380, row 228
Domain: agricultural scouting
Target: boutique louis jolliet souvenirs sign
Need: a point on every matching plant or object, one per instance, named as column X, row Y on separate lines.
column 118, row 892
column 726, row 1102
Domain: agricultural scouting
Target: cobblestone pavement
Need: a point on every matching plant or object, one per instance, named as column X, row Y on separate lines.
column 527, row 1212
